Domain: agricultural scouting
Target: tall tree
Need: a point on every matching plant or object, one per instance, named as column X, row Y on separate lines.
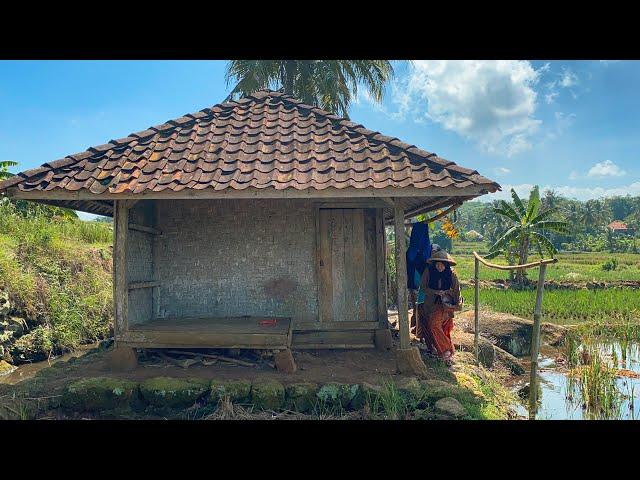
column 528, row 225
column 328, row 84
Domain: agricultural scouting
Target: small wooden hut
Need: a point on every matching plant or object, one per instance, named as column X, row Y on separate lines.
column 257, row 223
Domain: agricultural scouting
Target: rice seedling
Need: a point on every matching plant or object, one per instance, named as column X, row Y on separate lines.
column 616, row 305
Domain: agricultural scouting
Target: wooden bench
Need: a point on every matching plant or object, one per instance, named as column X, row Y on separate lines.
column 272, row 333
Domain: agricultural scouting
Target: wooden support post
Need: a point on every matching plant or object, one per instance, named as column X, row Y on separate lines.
column 535, row 345
column 408, row 359
column 401, row 277
column 476, row 318
column 120, row 286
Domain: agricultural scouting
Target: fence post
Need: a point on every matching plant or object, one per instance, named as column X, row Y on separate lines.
column 535, row 345
column 476, row 339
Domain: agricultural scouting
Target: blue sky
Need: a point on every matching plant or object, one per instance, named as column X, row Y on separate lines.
column 572, row 126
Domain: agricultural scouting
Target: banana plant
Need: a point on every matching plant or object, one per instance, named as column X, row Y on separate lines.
column 527, row 228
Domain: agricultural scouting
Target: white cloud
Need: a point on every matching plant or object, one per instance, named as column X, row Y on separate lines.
column 501, row 170
column 580, row 193
column 606, row 169
column 489, row 102
column 567, row 78
column 574, row 175
column 562, row 123
column 550, row 97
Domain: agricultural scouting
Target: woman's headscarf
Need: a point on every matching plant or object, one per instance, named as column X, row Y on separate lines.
column 439, row 280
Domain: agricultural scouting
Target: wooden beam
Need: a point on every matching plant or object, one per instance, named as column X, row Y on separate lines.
column 401, row 277
column 139, row 285
column 381, row 269
column 144, row 229
column 120, row 292
column 229, row 193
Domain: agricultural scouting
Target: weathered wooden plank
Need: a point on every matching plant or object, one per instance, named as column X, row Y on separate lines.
column 370, row 296
column 144, row 229
column 121, row 293
column 137, row 285
column 333, row 346
column 181, row 339
column 327, row 193
column 325, row 299
column 247, row 325
column 401, row 277
column 381, row 269
column 355, row 289
column 355, row 325
column 337, row 235
column 343, row 337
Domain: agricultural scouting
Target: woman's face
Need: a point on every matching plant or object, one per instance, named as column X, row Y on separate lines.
column 440, row 266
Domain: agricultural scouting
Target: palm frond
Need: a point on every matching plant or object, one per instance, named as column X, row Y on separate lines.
column 509, row 235
column 544, row 243
column 507, row 210
column 493, row 254
column 533, row 205
column 519, row 205
column 541, row 216
column 4, row 166
column 554, row 226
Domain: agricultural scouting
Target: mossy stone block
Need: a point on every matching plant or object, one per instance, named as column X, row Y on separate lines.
column 267, row 395
column 98, row 393
column 367, row 394
column 301, row 397
column 434, row 390
column 337, row 395
column 173, row 392
column 237, row 391
column 411, row 391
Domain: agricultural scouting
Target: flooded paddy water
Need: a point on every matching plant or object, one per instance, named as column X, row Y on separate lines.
column 574, row 394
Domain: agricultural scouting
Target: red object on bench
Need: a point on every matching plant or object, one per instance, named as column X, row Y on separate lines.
column 272, row 322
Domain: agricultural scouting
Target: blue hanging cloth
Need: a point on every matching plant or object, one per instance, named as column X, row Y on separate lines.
column 418, row 252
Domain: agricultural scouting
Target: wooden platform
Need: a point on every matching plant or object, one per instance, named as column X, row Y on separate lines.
column 229, row 332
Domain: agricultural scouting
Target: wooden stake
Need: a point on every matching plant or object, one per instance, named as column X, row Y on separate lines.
column 401, row 276
column 476, row 339
column 535, row 345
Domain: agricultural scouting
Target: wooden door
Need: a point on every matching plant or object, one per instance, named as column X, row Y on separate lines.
column 348, row 290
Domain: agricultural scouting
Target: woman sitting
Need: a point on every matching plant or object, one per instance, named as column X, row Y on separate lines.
column 441, row 299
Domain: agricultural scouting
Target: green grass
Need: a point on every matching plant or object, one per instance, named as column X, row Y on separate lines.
column 563, row 306
column 58, row 275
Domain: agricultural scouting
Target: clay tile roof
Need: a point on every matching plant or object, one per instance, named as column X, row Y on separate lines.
column 267, row 139
column 618, row 225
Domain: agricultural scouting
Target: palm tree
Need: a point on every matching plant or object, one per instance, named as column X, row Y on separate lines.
column 591, row 216
column 4, row 168
column 528, row 226
column 328, row 84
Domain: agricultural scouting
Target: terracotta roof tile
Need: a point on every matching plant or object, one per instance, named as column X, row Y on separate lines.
column 265, row 140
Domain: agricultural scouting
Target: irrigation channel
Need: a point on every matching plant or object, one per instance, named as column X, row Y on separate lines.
column 601, row 383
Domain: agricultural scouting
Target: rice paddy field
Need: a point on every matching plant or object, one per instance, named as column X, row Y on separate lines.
column 571, row 267
column 562, row 306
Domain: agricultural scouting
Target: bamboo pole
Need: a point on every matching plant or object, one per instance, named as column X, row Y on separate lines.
column 515, row 267
column 401, row 276
column 476, row 339
column 535, row 345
